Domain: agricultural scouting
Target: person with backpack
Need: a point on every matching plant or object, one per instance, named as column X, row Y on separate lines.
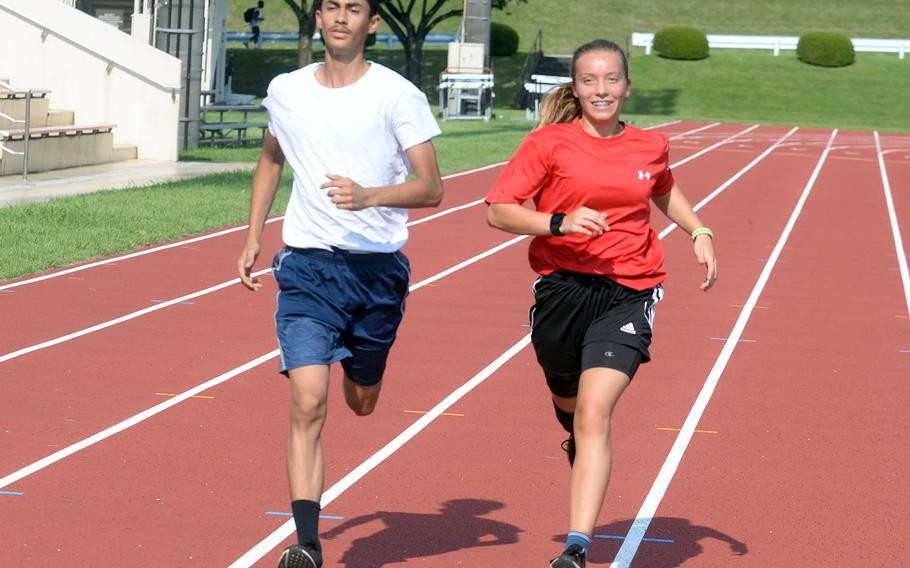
column 253, row 16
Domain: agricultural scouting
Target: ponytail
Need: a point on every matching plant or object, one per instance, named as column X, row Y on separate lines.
column 560, row 105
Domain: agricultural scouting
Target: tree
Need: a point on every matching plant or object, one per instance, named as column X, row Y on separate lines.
column 306, row 26
column 399, row 18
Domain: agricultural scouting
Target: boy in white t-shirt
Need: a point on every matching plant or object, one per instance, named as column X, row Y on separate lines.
column 351, row 131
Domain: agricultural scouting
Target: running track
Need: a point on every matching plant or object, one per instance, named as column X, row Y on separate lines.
column 770, row 429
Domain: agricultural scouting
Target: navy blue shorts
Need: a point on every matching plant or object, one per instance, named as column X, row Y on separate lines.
column 335, row 305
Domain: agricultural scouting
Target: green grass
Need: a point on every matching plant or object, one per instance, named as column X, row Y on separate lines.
column 566, row 25
column 730, row 85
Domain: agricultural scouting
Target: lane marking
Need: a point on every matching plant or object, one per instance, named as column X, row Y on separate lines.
column 177, row 394
column 727, row 338
column 645, row 539
column 426, row 411
column 741, row 305
column 643, row 519
column 696, row 431
column 285, row 530
column 286, row 514
column 735, row 177
column 148, row 413
column 121, row 319
column 13, row 493
column 712, row 147
column 892, row 217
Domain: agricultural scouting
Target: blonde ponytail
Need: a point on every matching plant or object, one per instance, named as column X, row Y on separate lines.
column 559, row 105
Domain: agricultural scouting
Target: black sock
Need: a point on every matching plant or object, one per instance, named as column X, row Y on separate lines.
column 306, row 517
column 567, row 419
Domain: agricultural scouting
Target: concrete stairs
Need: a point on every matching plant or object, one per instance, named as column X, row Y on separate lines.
column 56, row 140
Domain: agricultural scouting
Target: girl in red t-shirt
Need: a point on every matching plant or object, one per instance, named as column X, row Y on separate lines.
column 592, row 178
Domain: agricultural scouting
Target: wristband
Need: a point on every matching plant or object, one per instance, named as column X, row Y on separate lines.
column 555, row 223
column 702, row 231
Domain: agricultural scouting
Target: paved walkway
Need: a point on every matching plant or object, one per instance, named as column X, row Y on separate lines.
column 45, row 186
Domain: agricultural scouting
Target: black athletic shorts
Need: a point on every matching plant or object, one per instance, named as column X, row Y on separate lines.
column 584, row 321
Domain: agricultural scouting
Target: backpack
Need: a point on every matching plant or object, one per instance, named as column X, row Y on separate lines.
column 248, row 15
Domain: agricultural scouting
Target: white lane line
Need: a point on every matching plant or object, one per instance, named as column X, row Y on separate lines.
column 709, row 148
column 895, row 227
column 285, row 530
column 206, row 237
column 132, row 421
column 121, row 319
column 738, row 175
column 150, row 309
column 637, row 532
column 693, row 131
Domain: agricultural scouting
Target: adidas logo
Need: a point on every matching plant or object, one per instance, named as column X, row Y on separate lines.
column 628, row 328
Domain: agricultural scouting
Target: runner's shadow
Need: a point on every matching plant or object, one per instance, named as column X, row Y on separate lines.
column 669, row 542
column 415, row 535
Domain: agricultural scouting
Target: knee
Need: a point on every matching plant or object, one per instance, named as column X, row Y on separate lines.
column 362, row 407
column 307, row 410
column 592, row 420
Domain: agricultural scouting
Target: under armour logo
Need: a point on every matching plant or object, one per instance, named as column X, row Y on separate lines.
column 644, row 175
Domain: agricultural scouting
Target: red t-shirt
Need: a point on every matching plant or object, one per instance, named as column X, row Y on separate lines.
column 562, row 167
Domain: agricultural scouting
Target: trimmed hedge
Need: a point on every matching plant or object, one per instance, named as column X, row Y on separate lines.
column 828, row 49
column 681, row 42
column 503, row 40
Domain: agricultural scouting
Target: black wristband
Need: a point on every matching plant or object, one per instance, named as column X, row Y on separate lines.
column 555, row 223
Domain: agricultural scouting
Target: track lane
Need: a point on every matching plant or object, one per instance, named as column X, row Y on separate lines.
column 808, row 414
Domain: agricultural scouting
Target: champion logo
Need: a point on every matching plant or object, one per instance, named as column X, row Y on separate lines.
column 628, row 328
column 643, row 175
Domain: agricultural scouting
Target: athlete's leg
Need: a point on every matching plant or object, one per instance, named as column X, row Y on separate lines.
column 599, row 390
column 309, row 391
column 361, row 398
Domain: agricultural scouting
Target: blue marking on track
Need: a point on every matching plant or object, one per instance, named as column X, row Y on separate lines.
column 17, row 493
column 286, row 514
column 617, row 537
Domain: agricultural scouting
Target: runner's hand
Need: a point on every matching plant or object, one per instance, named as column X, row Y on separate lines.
column 346, row 193
column 704, row 253
column 245, row 266
column 585, row 221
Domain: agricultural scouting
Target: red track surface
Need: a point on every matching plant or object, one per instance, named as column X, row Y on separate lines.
column 800, row 461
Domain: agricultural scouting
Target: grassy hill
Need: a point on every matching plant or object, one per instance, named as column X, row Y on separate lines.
column 566, row 24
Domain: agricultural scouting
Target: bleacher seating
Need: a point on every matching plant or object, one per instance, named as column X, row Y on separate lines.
column 55, row 139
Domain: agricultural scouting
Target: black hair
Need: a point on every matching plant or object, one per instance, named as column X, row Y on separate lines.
column 374, row 6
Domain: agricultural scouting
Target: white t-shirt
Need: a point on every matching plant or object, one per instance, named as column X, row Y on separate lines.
column 360, row 131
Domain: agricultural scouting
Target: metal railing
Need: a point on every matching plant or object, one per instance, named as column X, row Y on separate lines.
column 777, row 43
column 27, row 130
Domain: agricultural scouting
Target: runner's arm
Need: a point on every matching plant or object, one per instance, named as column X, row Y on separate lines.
column 265, row 186
column 424, row 190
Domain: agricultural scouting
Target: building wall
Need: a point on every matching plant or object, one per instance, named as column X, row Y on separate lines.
column 92, row 68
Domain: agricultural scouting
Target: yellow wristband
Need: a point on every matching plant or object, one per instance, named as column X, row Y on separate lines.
column 702, row 231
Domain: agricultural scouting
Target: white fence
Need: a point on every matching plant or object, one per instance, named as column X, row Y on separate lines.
column 777, row 43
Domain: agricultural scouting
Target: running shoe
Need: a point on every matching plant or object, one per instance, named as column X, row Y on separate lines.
column 296, row 556
column 572, row 557
column 569, row 447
